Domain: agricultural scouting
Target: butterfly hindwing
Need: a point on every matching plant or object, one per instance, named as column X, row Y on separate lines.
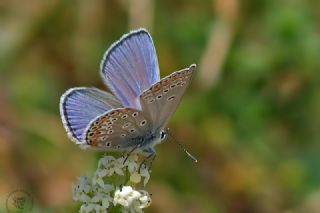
column 78, row 106
column 117, row 130
column 130, row 66
column 160, row 101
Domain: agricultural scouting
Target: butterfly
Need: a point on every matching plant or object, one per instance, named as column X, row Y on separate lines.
column 134, row 115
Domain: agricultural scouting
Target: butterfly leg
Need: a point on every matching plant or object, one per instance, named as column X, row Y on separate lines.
column 131, row 151
column 151, row 161
column 151, row 154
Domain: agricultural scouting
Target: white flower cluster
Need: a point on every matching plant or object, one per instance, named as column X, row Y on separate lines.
column 111, row 189
column 132, row 200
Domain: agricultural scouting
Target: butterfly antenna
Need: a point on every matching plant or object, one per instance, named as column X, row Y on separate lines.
column 182, row 147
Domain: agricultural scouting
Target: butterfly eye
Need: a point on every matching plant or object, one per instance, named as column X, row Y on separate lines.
column 162, row 135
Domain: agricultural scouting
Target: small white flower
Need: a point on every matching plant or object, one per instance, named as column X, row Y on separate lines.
column 98, row 197
column 119, row 166
column 132, row 166
column 84, row 198
column 125, row 191
column 84, row 184
column 108, row 188
column 135, row 178
column 145, row 201
column 132, row 199
column 144, row 172
column 104, row 162
column 106, row 202
column 86, row 208
column 114, row 167
column 83, row 208
column 119, row 171
column 75, row 190
column 100, row 209
column 134, row 195
column 97, row 179
column 102, row 172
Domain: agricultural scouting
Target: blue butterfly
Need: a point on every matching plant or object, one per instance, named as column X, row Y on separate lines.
column 134, row 116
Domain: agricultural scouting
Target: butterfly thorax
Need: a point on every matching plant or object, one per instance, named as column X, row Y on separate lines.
column 144, row 141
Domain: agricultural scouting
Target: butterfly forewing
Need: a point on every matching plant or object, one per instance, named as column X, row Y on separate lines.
column 160, row 101
column 130, row 66
column 117, row 129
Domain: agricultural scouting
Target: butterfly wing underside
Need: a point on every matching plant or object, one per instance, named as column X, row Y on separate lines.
column 118, row 129
column 160, row 101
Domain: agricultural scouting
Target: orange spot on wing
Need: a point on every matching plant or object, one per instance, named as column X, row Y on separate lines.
column 156, row 88
column 94, row 138
column 165, row 82
column 94, row 142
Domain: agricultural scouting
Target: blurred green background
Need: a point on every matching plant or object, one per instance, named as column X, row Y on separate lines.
column 251, row 115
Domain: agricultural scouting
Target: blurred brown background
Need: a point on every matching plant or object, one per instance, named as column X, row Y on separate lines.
column 251, row 116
